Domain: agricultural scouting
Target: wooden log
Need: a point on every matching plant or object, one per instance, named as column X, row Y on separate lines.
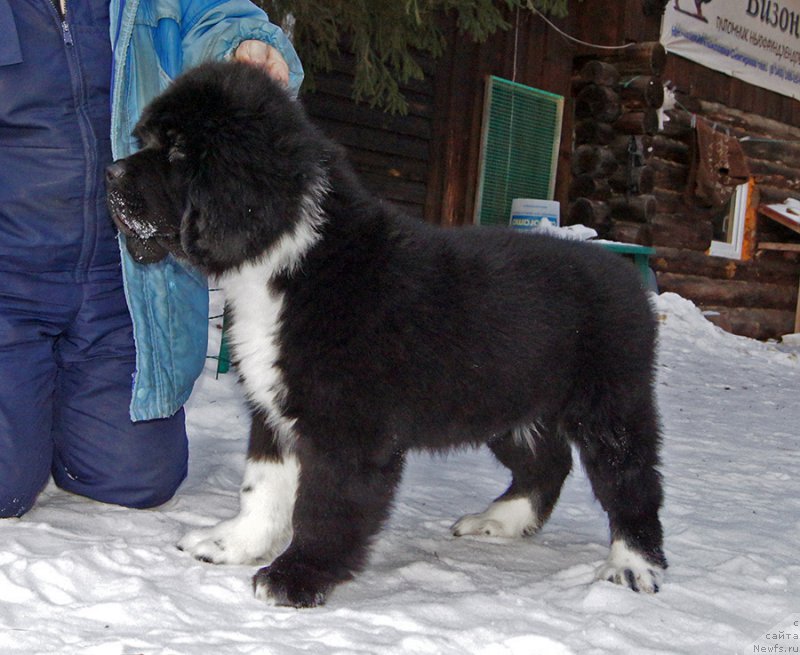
column 658, row 146
column 682, row 231
column 678, row 125
column 599, row 102
column 635, row 181
column 677, row 259
column 594, row 131
column 607, row 163
column 730, row 293
column 592, row 213
column 766, row 168
column 628, row 232
column 782, row 150
column 646, row 58
column 624, row 143
column 599, row 72
column 668, row 202
column 771, row 194
column 598, row 161
column 584, row 159
column 638, row 122
column 581, row 186
column 640, row 92
column 588, row 186
column 602, row 190
column 752, row 322
column 669, row 175
column 747, row 122
column 639, row 209
column 673, row 150
column 790, row 183
column 594, row 71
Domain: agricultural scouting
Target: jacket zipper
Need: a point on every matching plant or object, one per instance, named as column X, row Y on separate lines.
column 90, row 231
column 66, row 33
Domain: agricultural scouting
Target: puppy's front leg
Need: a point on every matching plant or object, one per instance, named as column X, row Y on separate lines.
column 262, row 528
column 343, row 499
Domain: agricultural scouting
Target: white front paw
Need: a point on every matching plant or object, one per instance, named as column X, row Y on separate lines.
column 232, row 542
column 262, row 529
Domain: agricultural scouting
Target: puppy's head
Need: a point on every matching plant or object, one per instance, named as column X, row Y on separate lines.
column 229, row 165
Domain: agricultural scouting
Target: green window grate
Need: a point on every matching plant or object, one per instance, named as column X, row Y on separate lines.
column 519, row 148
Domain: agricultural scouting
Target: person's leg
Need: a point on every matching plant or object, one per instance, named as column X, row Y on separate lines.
column 28, row 323
column 100, row 452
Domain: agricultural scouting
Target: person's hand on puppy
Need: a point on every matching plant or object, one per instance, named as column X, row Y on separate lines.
column 265, row 56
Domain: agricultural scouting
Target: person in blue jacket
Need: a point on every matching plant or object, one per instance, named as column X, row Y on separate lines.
column 98, row 353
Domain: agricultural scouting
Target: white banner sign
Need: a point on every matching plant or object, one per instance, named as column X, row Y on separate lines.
column 757, row 41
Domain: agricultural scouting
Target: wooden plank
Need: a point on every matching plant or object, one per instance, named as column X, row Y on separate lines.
column 403, row 168
column 786, row 247
column 330, row 108
column 354, row 136
column 772, row 211
column 341, row 86
column 407, row 191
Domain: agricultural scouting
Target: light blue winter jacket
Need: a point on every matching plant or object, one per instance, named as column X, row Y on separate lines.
column 153, row 41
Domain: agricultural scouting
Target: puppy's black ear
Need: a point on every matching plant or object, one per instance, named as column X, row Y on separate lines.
column 209, row 235
column 228, row 222
column 257, row 167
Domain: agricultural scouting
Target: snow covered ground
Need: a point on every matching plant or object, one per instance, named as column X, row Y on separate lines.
column 84, row 578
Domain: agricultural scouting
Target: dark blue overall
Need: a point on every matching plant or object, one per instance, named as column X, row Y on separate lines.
column 66, row 343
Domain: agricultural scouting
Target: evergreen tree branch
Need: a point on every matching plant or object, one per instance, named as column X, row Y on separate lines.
column 383, row 37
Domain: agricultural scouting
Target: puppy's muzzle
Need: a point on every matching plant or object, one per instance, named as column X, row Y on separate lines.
column 145, row 242
column 114, row 172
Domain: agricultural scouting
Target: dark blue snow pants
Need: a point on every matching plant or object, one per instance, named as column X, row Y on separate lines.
column 66, row 361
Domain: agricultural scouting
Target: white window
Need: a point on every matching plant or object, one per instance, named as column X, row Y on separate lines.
column 729, row 226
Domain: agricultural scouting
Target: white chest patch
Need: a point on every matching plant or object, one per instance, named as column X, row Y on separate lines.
column 257, row 313
column 254, row 340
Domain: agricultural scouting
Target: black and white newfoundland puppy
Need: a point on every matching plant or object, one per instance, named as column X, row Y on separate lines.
column 360, row 334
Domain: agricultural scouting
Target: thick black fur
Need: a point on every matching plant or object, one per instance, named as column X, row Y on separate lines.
column 395, row 334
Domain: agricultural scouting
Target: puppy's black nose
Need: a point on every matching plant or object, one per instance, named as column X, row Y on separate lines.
column 115, row 171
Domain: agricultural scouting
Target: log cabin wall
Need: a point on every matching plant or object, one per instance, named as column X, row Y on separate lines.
column 618, row 171
column 644, row 198
column 391, row 153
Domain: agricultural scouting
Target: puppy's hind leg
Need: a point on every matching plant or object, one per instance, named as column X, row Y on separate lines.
column 539, row 462
column 620, row 458
column 262, row 528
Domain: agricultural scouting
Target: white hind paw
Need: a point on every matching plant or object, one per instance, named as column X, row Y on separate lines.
column 629, row 568
column 503, row 518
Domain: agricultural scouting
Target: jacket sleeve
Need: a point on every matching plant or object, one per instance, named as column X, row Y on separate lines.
column 154, row 42
column 215, row 29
